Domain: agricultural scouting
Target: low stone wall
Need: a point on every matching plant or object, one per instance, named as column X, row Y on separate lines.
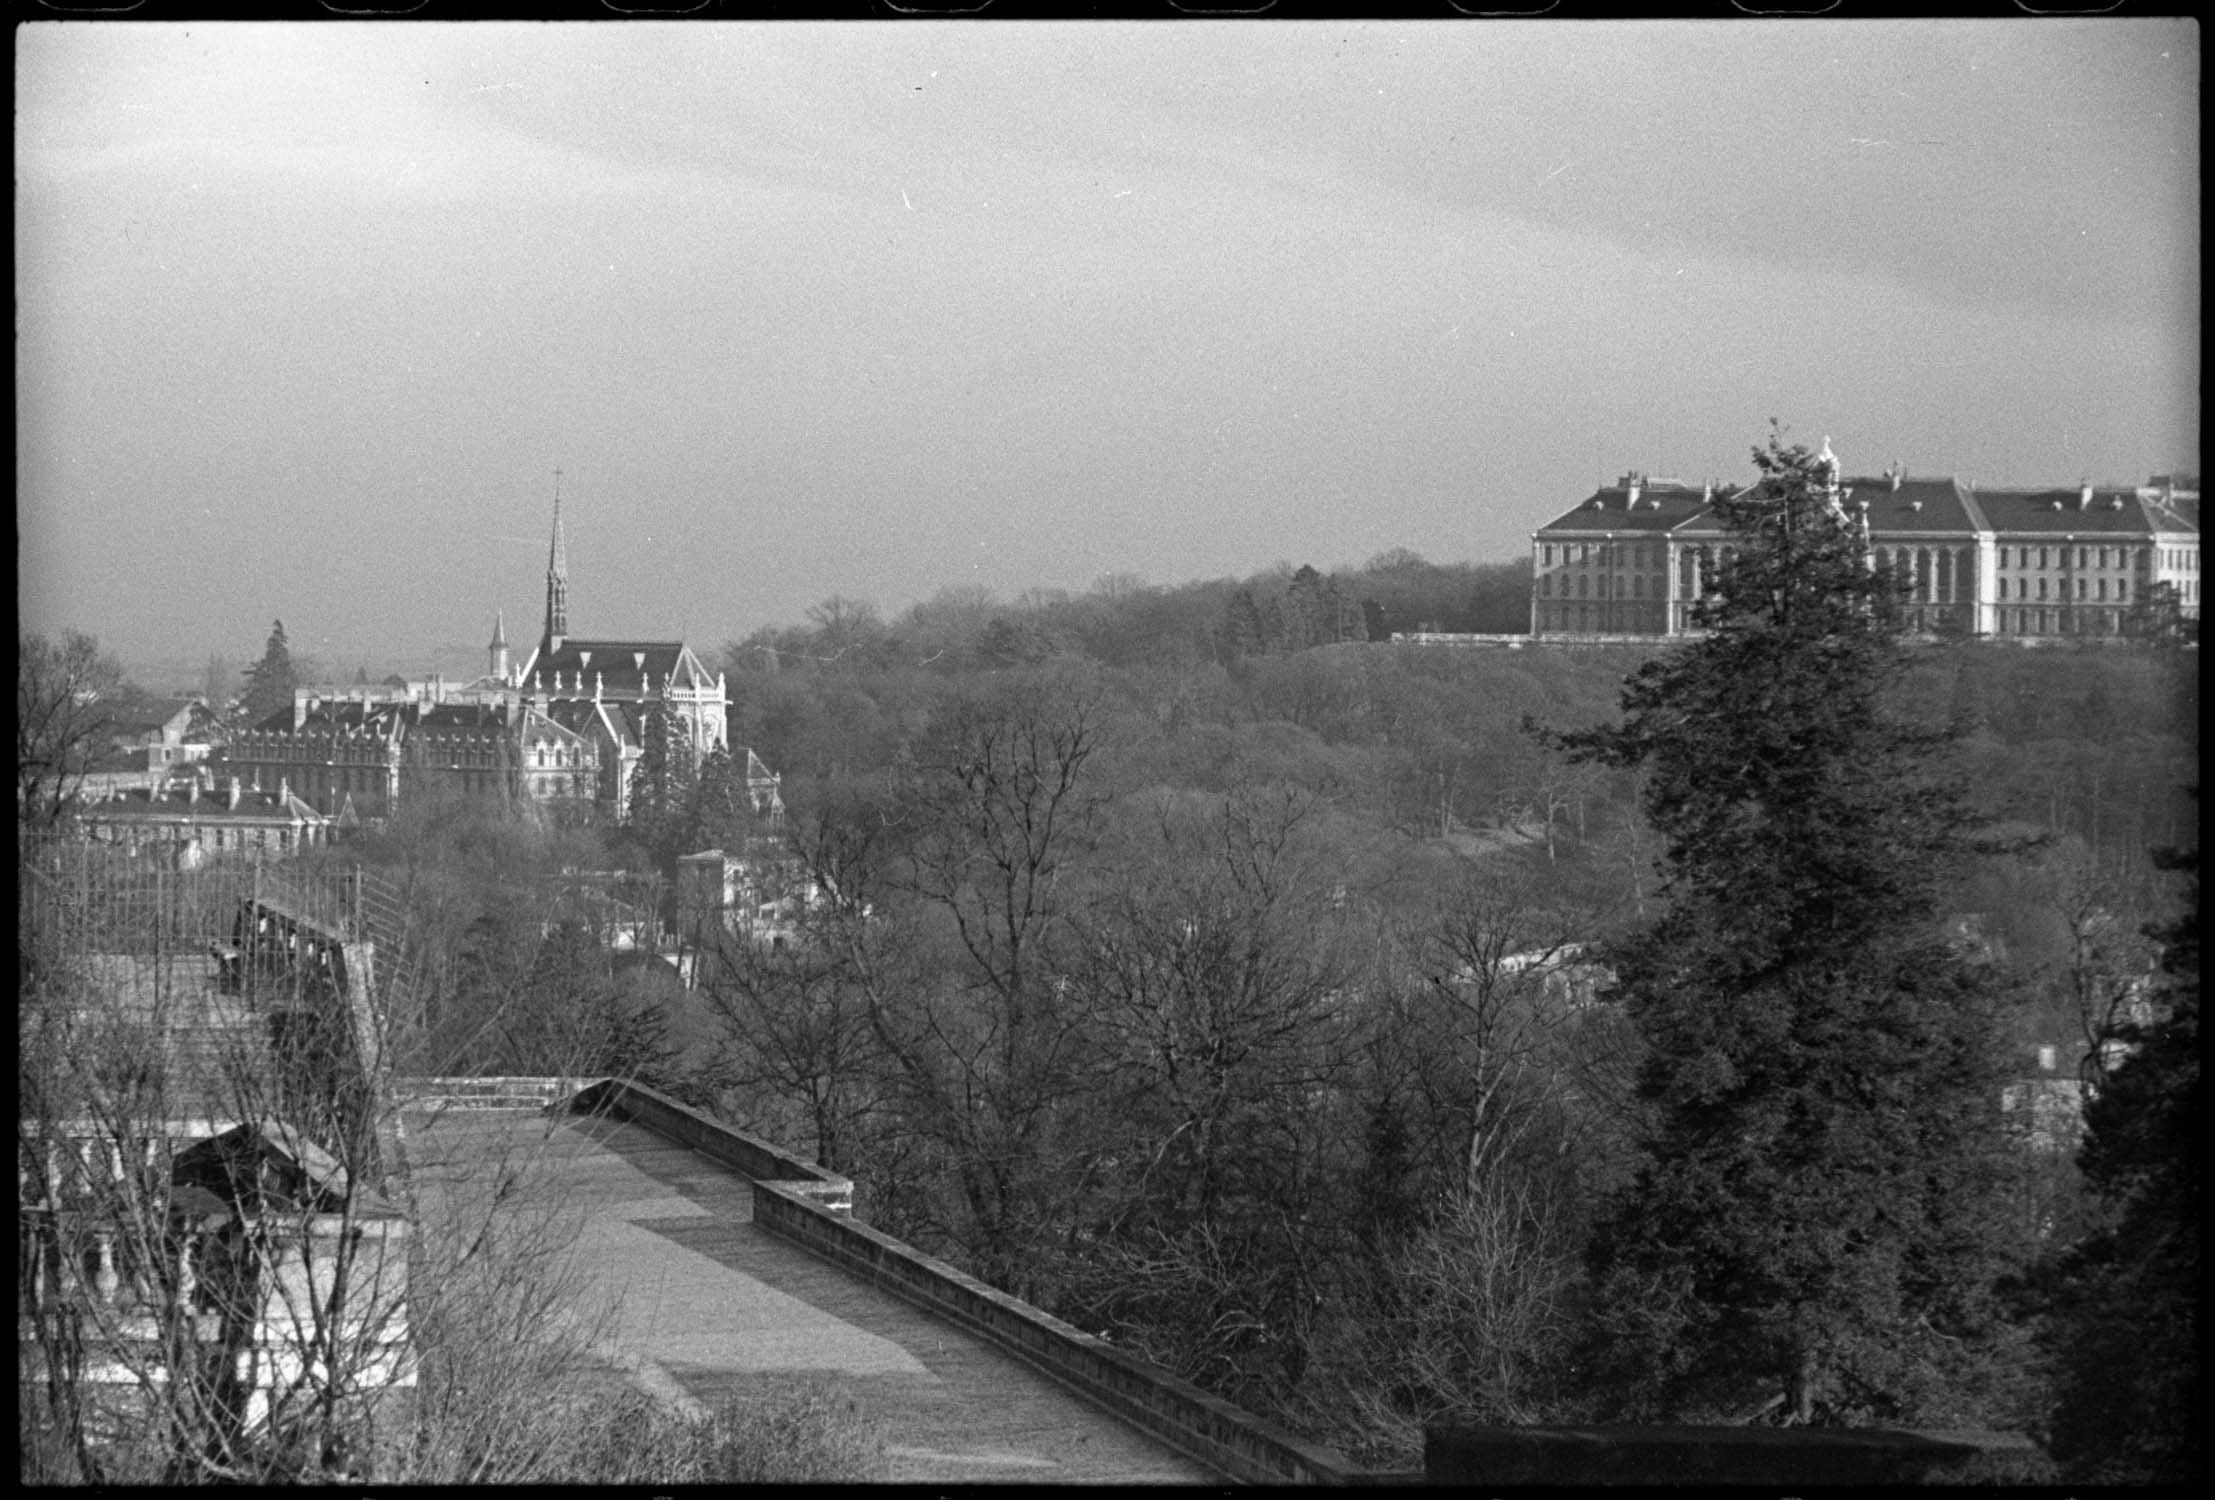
column 748, row 1155
column 803, row 1202
column 1208, row 1428
column 1768, row 1456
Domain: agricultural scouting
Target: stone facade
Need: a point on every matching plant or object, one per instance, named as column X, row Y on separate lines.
column 190, row 816
column 2012, row 563
column 563, row 727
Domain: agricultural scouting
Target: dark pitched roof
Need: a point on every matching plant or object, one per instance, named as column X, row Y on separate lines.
column 482, row 718
column 1929, row 505
column 1660, row 507
column 2111, row 511
column 175, row 802
column 617, row 666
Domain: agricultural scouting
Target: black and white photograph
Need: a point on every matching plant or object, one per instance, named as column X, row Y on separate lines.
column 1202, row 748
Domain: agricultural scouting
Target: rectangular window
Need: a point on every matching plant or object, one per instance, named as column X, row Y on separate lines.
column 2041, row 588
column 2082, row 554
column 2103, row 589
column 2042, row 562
column 1547, row 552
column 2080, row 588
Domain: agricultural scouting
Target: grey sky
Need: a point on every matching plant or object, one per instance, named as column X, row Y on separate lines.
column 309, row 314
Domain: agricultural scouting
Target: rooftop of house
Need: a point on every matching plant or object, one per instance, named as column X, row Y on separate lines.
column 159, row 716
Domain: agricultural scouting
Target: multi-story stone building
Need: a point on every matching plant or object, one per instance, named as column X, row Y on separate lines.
column 1609, row 567
column 2024, row 564
column 603, row 694
column 191, row 815
column 567, row 725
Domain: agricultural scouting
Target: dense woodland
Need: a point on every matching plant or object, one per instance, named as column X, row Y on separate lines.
column 1166, row 968
column 1164, row 956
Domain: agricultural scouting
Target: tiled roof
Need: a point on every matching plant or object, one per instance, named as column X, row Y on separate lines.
column 539, row 725
column 2112, row 511
column 330, row 715
column 144, row 804
column 148, row 720
column 2173, row 512
column 1927, row 506
column 618, row 666
column 1659, row 508
column 482, row 718
column 1931, row 505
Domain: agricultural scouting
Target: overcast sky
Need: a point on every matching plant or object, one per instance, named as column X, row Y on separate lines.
column 308, row 315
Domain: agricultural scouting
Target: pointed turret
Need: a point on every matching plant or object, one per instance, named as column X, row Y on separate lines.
column 498, row 650
column 557, row 580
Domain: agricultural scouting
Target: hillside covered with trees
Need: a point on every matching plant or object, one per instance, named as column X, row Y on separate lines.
column 1235, row 983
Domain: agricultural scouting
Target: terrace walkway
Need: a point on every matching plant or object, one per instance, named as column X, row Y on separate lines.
column 701, row 1303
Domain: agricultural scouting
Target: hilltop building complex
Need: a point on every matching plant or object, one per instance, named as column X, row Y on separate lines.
column 2026, row 564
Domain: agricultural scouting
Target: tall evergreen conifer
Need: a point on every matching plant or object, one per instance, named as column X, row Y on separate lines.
column 660, row 793
column 1815, row 1236
column 270, row 681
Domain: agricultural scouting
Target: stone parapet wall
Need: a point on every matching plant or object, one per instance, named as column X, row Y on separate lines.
column 804, row 1203
column 748, row 1155
column 1205, row 1427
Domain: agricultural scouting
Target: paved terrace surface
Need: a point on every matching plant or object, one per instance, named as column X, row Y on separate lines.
column 700, row 1303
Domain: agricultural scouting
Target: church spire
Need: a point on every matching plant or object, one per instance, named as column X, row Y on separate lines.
column 557, row 579
column 498, row 650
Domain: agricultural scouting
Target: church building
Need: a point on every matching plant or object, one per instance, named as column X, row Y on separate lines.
column 593, row 701
column 566, row 725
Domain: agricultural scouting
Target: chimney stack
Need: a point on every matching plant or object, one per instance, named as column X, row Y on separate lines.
column 1636, row 483
column 2084, row 496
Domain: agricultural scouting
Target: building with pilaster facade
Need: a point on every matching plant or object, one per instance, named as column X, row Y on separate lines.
column 2020, row 564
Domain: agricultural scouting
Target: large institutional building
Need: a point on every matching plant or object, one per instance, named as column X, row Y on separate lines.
column 567, row 724
column 2018, row 563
